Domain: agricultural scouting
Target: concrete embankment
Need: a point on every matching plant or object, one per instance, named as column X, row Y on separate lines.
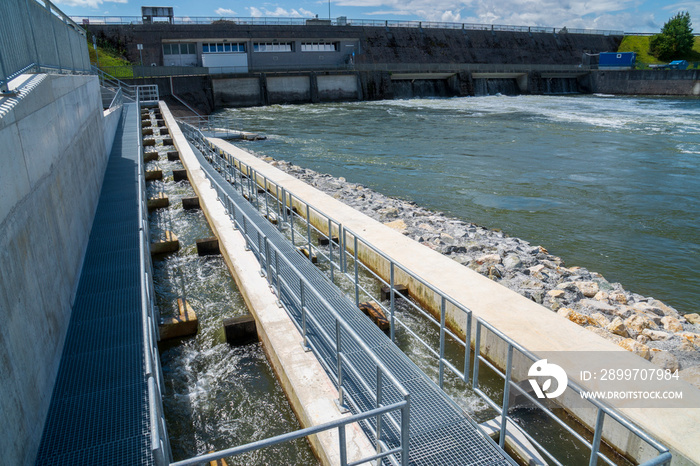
column 54, row 141
column 310, row 392
column 527, row 322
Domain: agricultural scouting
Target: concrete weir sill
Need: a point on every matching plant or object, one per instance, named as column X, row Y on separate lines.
column 309, row 390
column 533, row 326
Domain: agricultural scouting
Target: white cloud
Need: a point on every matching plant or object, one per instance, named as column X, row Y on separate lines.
column 87, row 3
column 280, row 12
column 225, row 12
column 598, row 14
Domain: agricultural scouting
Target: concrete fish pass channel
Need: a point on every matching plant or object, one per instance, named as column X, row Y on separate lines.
column 285, row 245
column 214, row 393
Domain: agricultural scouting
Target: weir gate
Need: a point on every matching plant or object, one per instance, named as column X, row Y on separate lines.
column 107, row 400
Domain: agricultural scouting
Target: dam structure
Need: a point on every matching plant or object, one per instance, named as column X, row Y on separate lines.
column 81, row 375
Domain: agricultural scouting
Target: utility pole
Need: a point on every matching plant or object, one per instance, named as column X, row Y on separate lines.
column 329, row 10
column 94, row 46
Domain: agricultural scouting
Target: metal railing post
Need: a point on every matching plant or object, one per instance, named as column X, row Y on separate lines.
column 392, row 328
column 477, row 344
column 343, row 446
column 308, row 229
column 379, row 416
column 303, row 314
column 597, row 434
column 506, row 395
column 405, row 429
column 357, row 283
column 340, row 364
column 467, row 347
column 330, row 247
column 441, row 364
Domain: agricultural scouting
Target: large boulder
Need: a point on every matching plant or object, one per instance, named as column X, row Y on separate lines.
column 617, row 327
column 636, row 347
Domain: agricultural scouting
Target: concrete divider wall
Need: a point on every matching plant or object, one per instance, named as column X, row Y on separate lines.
column 52, row 161
column 531, row 325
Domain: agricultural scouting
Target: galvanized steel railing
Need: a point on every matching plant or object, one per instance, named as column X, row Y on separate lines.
column 160, row 444
column 271, row 260
column 343, row 21
column 110, row 82
column 602, row 411
column 287, row 208
column 36, row 36
column 117, row 100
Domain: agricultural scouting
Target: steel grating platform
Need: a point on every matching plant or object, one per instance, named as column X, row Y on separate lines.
column 441, row 433
column 99, row 409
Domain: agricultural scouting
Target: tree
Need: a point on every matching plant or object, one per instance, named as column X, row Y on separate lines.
column 676, row 38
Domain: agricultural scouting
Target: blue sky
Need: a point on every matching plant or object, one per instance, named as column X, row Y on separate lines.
column 627, row 15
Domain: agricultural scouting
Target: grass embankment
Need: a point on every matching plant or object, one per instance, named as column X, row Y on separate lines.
column 640, row 44
column 110, row 63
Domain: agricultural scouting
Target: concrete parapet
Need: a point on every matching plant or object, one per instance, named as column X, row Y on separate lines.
column 310, row 392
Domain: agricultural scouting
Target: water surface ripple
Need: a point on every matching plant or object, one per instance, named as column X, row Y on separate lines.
column 609, row 183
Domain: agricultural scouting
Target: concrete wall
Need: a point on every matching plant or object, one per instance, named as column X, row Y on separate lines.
column 289, row 88
column 51, row 168
column 237, row 92
column 337, row 87
column 644, row 82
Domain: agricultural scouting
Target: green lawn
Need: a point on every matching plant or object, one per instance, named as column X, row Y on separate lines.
column 640, row 44
column 109, row 63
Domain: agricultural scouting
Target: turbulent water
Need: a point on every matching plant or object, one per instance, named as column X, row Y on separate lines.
column 216, row 396
column 609, row 183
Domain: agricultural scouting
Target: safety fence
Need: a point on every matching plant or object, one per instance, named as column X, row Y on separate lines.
column 338, row 250
column 341, row 21
column 36, row 36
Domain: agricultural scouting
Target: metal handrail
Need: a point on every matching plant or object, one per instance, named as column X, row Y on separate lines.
column 342, row 21
column 61, row 46
column 107, row 80
column 160, row 443
column 337, row 424
column 270, row 258
column 663, row 457
column 117, row 100
column 350, row 249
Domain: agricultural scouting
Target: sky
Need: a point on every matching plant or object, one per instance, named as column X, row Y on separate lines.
column 625, row 15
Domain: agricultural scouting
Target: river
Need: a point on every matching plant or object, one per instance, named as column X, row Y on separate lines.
column 608, row 183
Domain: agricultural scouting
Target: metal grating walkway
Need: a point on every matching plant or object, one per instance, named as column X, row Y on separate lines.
column 99, row 408
column 440, row 432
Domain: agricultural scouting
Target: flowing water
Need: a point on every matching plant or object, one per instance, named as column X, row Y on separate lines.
column 608, row 183
column 216, row 396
